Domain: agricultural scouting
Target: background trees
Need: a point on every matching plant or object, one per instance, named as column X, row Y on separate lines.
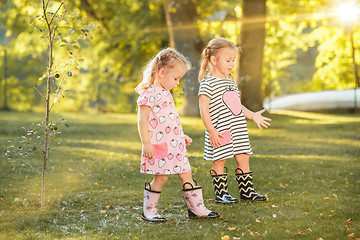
column 305, row 49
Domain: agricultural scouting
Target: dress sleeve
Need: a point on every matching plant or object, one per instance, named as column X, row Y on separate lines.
column 146, row 99
column 205, row 89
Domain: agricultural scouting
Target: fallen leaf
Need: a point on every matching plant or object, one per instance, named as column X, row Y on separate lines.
column 96, row 184
column 63, row 209
column 319, row 239
column 326, row 198
column 140, row 219
column 232, row 229
column 115, row 218
column 117, row 207
column 102, row 211
column 257, row 234
column 108, row 206
column 258, row 221
column 305, row 199
column 105, row 190
column 301, row 233
column 287, row 231
column 281, row 185
column 348, row 223
column 274, row 206
column 334, row 195
column 33, row 193
column 351, row 235
column 17, row 199
column 274, row 215
column 226, row 237
column 309, row 229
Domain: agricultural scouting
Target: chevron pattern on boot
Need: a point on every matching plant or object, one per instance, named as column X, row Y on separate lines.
column 246, row 188
column 221, row 189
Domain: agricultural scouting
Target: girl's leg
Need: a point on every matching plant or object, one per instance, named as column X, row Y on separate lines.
column 242, row 161
column 186, row 177
column 243, row 177
column 220, row 183
column 218, row 166
column 158, row 182
column 151, row 198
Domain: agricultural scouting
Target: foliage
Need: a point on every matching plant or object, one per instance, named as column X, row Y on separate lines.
column 307, row 163
column 306, row 49
column 28, row 146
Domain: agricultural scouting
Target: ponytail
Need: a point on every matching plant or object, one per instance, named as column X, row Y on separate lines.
column 206, row 54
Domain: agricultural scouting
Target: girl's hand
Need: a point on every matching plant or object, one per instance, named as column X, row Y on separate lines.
column 188, row 140
column 148, row 150
column 215, row 138
column 260, row 120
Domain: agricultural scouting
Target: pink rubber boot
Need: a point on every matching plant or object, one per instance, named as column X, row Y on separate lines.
column 151, row 199
column 194, row 201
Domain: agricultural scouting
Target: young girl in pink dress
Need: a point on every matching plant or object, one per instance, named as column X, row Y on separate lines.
column 163, row 140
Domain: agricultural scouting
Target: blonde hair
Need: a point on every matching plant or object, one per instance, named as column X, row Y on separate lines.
column 212, row 49
column 168, row 58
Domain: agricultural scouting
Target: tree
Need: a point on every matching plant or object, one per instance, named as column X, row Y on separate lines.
column 185, row 37
column 252, row 37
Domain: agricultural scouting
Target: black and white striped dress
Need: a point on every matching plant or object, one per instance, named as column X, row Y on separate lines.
column 226, row 114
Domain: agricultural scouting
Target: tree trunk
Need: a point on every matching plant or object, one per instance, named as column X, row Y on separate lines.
column 5, row 108
column 252, row 39
column 185, row 37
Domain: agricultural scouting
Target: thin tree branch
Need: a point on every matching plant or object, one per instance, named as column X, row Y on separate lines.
column 39, row 92
column 56, row 13
column 28, row 165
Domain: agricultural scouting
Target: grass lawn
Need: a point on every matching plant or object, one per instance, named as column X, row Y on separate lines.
column 307, row 163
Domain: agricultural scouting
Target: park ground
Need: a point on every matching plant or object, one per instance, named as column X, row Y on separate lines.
column 307, row 163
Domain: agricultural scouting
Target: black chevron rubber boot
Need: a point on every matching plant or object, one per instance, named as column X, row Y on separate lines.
column 221, row 188
column 246, row 188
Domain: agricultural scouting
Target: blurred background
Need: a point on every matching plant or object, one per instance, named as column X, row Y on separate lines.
column 287, row 47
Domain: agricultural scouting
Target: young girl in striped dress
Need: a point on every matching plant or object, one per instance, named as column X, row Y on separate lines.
column 226, row 134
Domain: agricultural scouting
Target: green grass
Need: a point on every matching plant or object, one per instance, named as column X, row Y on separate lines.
column 307, row 163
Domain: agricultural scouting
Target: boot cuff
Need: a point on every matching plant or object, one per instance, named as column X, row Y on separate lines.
column 148, row 188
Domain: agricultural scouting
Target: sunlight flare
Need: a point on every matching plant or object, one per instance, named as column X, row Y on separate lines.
column 348, row 12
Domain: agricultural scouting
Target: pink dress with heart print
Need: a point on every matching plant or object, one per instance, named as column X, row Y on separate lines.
column 166, row 134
